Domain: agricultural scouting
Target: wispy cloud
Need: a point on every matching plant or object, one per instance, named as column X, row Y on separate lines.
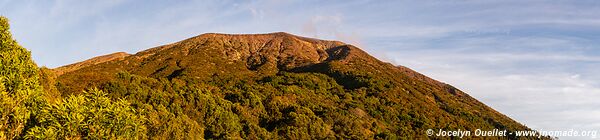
column 517, row 75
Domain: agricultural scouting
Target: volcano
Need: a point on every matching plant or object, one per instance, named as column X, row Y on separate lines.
column 278, row 85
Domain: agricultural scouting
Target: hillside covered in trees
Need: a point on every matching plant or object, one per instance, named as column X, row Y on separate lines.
column 220, row 86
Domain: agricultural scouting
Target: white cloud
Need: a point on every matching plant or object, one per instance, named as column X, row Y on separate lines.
column 542, row 89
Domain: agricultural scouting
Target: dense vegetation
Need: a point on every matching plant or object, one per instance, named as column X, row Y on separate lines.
column 26, row 111
column 199, row 88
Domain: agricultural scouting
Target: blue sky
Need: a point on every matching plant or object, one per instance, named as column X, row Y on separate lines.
column 535, row 61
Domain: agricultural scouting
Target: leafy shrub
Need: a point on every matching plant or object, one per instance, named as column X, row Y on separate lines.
column 20, row 91
column 90, row 116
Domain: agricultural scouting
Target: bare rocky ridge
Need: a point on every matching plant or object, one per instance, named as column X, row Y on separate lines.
column 282, row 49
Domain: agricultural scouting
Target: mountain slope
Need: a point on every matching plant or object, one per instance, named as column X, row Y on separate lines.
column 89, row 62
column 280, row 85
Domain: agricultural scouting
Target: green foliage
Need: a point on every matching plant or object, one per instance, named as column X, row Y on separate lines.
column 89, row 116
column 47, row 79
column 18, row 71
column 25, row 110
column 19, row 86
column 165, row 125
column 288, row 106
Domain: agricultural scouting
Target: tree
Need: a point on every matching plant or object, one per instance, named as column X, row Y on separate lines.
column 92, row 115
column 19, row 89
